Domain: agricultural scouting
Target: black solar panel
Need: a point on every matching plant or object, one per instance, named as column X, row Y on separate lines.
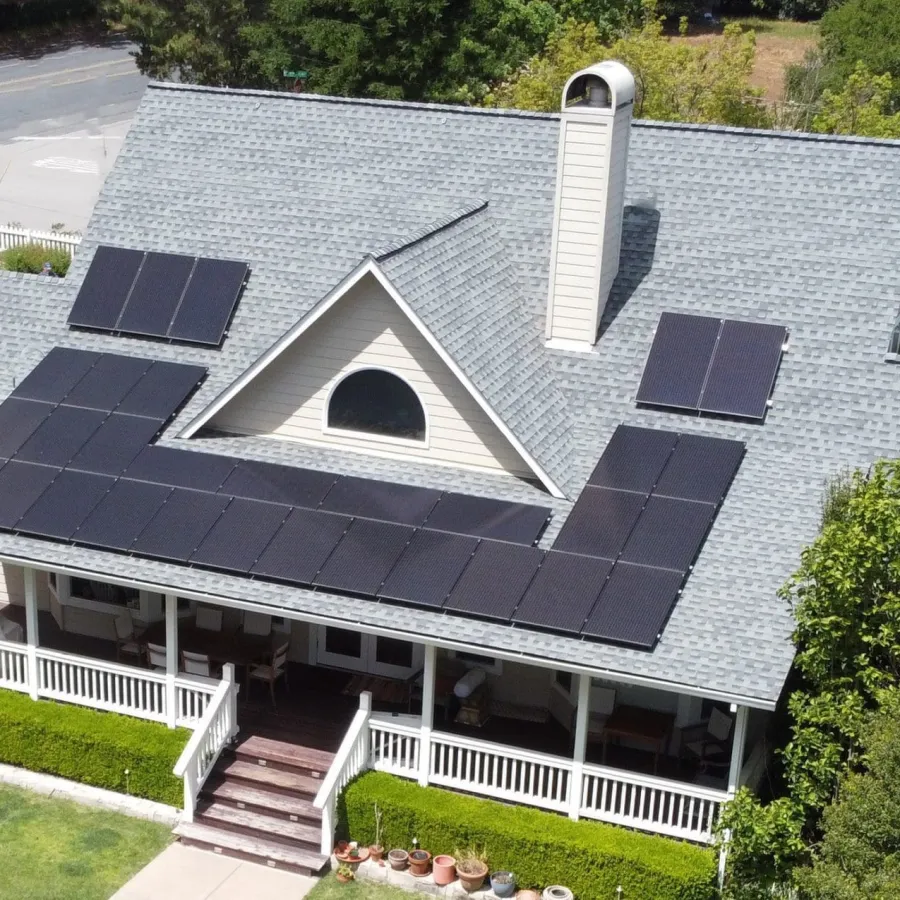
column 679, row 359
column 180, row 526
column 520, row 523
column 429, row 567
column 301, row 547
column 633, row 459
column 743, row 369
column 600, row 522
column 20, row 485
column 56, row 374
column 61, row 435
column 122, row 514
column 181, row 468
column 364, row 558
column 115, row 444
column 495, row 580
column 563, row 592
column 701, row 468
column 240, row 536
column 65, row 505
column 278, row 484
column 19, row 419
column 380, row 500
column 634, row 605
column 669, row 533
column 105, row 288
column 156, row 293
column 209, row 301
column 162, row 390
column 107, row 383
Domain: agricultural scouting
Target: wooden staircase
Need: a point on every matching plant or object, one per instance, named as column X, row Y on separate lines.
column 258, row 805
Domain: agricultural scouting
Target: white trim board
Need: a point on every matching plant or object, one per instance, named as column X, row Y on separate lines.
column 369, row 266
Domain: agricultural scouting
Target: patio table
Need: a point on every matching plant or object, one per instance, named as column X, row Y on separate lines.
column 220, row 646
column 646, row 725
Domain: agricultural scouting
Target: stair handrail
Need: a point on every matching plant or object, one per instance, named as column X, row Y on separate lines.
column 217, row 727
column 352, row 757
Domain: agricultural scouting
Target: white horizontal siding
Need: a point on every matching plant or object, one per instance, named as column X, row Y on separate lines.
column 367, row 328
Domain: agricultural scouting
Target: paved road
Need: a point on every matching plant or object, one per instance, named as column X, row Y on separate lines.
column 63, row 117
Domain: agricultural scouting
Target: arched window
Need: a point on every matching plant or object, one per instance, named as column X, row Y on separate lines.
column 377, row 402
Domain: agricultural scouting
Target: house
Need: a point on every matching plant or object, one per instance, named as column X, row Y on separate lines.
column 424, row 327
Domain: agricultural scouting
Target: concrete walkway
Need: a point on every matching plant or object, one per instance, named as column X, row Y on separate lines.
column 185, row 873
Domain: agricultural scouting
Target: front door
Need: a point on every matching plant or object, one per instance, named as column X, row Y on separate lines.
column 388, row 657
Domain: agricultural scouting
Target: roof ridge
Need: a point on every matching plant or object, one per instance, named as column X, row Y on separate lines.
column 426, row 231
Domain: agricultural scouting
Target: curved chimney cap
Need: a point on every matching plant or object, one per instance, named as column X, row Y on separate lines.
column 606, row 85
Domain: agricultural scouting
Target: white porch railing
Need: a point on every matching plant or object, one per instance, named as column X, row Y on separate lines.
column 53, row 240
column 351, row 759
column 217, row 727
column 103, row 685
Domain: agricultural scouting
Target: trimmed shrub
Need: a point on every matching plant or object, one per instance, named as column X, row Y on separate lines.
column 541, row 848
column 92, row 747
column 30, row 258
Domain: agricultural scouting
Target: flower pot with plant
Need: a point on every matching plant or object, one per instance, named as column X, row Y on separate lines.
column 418, row 862
column 398, row 859
column 443, row 868
column 471, row 868
column 344, row 874
column 376, row 850
column 503, row 884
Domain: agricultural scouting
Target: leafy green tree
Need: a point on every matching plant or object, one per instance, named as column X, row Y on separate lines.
column 676, row 82
column 859, row 856
column 862, row 107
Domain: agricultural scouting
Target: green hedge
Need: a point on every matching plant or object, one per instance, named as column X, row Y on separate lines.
column 92, row 747
column 541, row 848
column 30, row 258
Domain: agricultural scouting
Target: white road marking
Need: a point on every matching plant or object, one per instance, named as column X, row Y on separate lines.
column 66, row 163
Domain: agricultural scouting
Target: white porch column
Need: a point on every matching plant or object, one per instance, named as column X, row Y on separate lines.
column 171, row 659
column 582, row 712
column 428, row 676
column 31, row 630
column 737, row 750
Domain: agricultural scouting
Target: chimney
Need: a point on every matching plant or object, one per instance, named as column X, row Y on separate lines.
column 590, row 197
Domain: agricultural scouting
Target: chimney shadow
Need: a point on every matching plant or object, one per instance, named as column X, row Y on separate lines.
column 640, row 227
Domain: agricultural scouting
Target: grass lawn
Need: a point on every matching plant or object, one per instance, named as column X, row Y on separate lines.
column 59, row 850
column 329, row 888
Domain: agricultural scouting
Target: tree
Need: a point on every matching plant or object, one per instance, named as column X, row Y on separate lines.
column 846, row 602
column 676, row 82
column 862, row 107
column 859, row 857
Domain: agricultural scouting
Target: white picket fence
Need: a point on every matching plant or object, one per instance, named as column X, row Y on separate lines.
column 52, row 240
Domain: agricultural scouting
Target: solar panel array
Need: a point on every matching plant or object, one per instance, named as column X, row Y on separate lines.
column 78, row 464
column 159, row 295
column 708, row 365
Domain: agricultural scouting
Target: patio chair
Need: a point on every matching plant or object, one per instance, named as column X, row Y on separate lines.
column 209, row 619
column 126, row 640
column 272, row 671
column 708, row 741
column 196, row 663
column 258, row 624
column 156, row 656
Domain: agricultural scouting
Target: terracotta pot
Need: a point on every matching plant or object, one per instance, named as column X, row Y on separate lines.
column 343, row 879
column 444, row 869
column 342, row 848
column 398, row 859
column 472, row 880
column 375, row 853
column 418, row 862
column 528, row 895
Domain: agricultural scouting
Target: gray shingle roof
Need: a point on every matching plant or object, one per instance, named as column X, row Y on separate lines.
column 780, row 228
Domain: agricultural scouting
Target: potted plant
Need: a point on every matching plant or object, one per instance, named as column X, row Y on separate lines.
column 353, row 851
column 398, row 859
column 376, row 850
column 471, row 868
column 503, row 884
column 344, row 874
column 444, row 869
column 418, row 862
